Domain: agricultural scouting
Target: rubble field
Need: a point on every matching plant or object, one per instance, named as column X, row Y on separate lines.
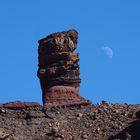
column 103, row 121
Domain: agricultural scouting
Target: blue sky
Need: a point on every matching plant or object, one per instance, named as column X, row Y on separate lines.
column 100, row 23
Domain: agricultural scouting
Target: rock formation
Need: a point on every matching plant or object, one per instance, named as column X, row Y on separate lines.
column 59, row 70
column 20, row 105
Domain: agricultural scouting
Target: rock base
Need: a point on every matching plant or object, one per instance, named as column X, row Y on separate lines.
column 64, row 96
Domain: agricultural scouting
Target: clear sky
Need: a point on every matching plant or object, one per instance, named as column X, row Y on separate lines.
column 113, row 24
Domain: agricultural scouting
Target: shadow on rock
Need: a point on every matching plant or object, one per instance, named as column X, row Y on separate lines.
column 132, row 132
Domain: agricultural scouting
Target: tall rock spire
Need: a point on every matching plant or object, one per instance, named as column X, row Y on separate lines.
column 59, row 69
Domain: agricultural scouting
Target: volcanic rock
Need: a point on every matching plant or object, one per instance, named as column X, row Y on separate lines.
column 20, row 105
column 104, row 121
column 58, row 71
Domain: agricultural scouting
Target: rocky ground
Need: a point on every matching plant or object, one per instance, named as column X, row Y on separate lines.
column 103, row 121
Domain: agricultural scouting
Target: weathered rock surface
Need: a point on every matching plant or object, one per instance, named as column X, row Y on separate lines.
column 104, row 121
column 20, row 105
column 59, row 70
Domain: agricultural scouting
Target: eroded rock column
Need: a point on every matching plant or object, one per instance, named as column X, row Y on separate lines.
column 59, row 70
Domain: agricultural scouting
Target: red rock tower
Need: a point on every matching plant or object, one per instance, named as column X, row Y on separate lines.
column 59, row 70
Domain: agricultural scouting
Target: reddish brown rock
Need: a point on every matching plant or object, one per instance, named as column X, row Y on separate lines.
column 20, row 105
column 58, row 71
column 64, row 95
column 1, row 105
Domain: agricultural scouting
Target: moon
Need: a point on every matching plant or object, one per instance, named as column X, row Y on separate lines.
column 108, row 51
